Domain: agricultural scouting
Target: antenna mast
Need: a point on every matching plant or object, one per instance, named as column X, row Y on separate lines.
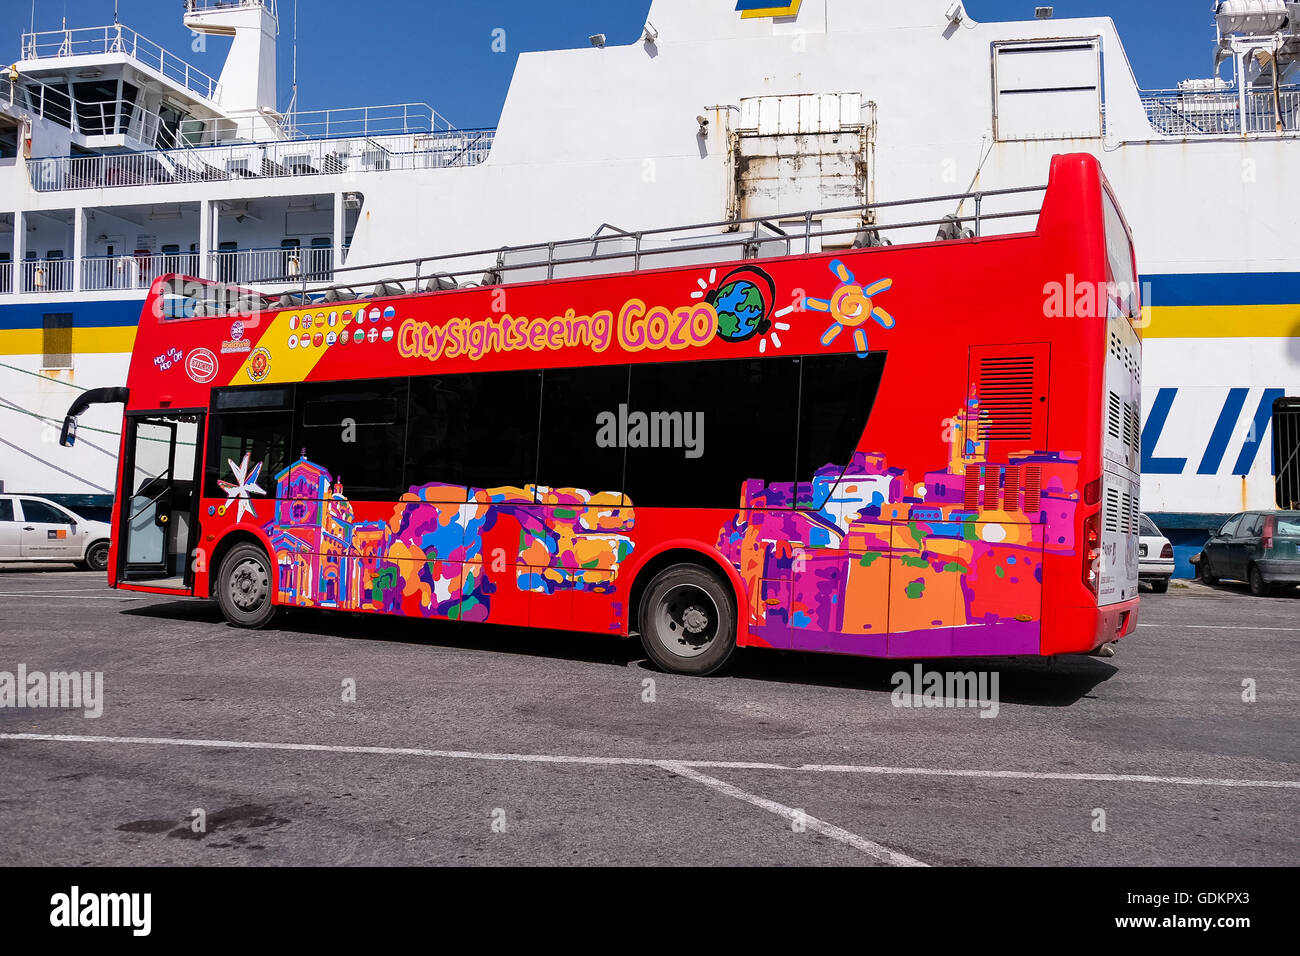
column 293, row 97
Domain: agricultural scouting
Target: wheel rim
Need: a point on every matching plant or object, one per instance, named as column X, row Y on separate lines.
column 686, row 621
column 249, row 585
column 98, row 559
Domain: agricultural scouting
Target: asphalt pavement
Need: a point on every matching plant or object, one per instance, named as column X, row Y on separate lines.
column 484, row 745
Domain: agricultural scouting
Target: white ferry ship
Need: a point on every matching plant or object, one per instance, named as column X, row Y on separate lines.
column 120, row 162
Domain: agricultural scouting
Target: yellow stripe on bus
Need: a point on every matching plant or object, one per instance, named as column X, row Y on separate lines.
column 273, row 361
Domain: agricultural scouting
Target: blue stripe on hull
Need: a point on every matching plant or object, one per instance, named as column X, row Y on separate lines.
column 87, row 315
column 1224, row 288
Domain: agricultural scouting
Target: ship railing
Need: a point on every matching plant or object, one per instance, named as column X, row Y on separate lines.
column 280, row 159
column 6, row 277
column 274, row 266
column 93, row 41
column 364, row 121
column 1222, row 112
column 109, row 273
column 47, row 275
column 610, row 250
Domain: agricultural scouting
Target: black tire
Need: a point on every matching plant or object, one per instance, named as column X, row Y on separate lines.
column 244, row 586
column 96, row 557
column 1258, row 586
column 687, row 620
column 1160, row 587
column 1204, row 572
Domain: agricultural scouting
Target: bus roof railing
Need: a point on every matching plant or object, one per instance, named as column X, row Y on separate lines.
column 494, row 265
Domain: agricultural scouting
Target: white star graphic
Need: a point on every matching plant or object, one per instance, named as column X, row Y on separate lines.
column 242, row 485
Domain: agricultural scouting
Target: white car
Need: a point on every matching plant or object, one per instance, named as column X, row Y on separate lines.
column 36, row 529
column 1155, row 556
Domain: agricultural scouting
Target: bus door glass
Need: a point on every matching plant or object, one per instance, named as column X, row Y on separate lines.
column 158, row 516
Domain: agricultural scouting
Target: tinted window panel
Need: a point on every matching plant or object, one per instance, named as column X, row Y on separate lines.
column 571, row 457
column 355, row 431
column 6, row 510
column 716, row 425
column 262, row 436
column 235, row 399
column 837, row 394
column 39, row 511
column 473, row 431
column 1230, row 528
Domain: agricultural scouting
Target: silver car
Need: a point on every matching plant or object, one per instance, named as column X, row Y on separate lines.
column 36, row 529
column 1155, row 556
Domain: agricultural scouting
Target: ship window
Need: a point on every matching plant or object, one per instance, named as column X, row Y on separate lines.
column 56, row 336
column 96, row 107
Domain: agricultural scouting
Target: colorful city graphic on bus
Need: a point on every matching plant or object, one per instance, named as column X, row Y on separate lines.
column 832, row 564
column 838, row 563
column 428, row 558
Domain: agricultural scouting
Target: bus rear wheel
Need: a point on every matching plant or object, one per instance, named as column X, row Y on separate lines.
column 687, row 620
column 244, row 587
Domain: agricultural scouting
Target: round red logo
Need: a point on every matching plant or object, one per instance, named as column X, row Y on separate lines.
column 201, row 366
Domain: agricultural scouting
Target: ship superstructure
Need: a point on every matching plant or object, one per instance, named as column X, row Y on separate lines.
column 119, row 162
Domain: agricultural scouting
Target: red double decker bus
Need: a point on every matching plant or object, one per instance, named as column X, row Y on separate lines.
column 918, row 450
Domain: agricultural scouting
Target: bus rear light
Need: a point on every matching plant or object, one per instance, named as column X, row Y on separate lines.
column 1092, row 492
column 1091, row 551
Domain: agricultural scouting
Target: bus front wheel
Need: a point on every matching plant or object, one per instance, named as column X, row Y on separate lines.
column 244, row 587
column 687, row 619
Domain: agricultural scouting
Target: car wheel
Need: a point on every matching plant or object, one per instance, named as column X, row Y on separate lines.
column 244, row 587
column 1204, row 571
column 687, row 620
column 1258, row 586
column 96, row 557
column 1160, row 587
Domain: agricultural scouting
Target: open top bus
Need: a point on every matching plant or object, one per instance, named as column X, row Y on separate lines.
column 920, row 450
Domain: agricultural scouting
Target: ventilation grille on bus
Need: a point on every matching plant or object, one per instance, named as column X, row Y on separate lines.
column 1115, row 417
column 1121, row 512
column 1126, row 356
column 1133, row 429
column 1014, row 488
column 1006, row 394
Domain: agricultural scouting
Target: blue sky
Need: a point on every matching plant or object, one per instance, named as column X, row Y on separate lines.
column 363, row 52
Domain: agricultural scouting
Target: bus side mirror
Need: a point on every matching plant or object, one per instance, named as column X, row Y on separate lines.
column 68, row 437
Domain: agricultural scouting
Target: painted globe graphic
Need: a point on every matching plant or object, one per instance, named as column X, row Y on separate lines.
column 740, row 308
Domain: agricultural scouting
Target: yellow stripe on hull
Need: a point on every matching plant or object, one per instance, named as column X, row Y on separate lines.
column 1224, row 322
column 107, row 339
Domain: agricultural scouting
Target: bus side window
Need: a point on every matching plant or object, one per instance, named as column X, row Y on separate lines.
column 354, row 430
column 261, row 435
column 477, row 430
column 574, row 451
column 835, row 400
column 708, row 428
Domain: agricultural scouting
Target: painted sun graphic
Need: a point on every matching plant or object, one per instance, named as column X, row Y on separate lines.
column 851, row 306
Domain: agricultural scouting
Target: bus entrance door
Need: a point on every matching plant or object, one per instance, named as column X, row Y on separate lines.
column 158, row 519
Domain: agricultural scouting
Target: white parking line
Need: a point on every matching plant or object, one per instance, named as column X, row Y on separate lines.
column 667, row 763
column 54, row 591
column 874, row 850
column 1221, row 627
